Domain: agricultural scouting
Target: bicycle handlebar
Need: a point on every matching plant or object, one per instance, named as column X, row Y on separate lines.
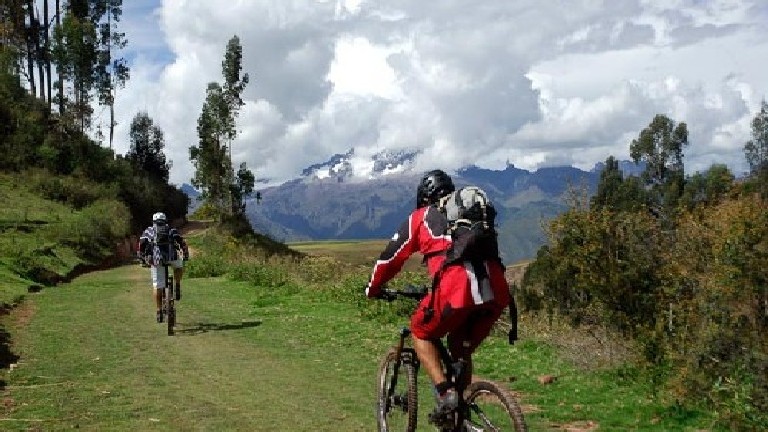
column 416, row 292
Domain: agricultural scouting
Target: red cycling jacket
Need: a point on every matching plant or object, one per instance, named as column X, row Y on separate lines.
column 461, row 285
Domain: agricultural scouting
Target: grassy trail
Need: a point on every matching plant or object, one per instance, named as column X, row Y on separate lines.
column 92, row 357
column 252, row 358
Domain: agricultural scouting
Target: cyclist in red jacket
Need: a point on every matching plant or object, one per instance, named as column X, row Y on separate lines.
column 467, row 300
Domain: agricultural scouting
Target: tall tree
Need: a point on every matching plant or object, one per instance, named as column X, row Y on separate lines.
column 756, row 149
column 83, row 53
column 234, row 84
column 615, row 192
column 210, row 155
column 217, row 129
column 242, row 188
column 111, row 73
column 147, row 143
column 660, row 146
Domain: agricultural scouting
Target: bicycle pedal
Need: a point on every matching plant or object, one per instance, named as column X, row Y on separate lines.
column 441, row 418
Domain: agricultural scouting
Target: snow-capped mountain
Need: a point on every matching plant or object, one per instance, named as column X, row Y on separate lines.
column 349, row 166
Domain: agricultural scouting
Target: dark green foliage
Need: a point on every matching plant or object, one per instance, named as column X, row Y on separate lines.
column 76, row 170
column 241, row 189
column 73, row 191
column 147, row 143
column 709, row 188
column 694, row 299
column 83, row 51
column 210, row 156
column 660, row 146
column 617, row 193
column 686, row 281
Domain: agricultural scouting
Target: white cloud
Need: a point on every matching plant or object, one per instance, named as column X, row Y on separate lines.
column 527, row 82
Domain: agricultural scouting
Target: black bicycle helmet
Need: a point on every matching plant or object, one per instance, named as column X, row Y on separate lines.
column 433, row 186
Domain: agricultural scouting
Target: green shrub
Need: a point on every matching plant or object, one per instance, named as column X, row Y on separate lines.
column 74, row 191
column 206, row 266
column 95, row 230
column 258, row 274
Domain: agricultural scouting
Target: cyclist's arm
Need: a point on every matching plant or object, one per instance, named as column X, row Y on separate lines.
column 182, row 244
column 397, row 252
column 145, row 242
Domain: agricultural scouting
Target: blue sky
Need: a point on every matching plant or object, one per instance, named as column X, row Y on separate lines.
column 535, row 83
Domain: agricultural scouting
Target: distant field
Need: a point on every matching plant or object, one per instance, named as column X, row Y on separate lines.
column 356, row 252
column 366, row 252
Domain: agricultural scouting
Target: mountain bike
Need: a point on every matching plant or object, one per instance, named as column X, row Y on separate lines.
column 167, row 295
column 483, row 405
column 167, row 299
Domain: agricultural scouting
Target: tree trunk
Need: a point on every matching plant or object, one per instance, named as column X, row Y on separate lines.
column 39, row 54
column 111, row 89
column 47, row 51
column 61, row 80
column 30, row 30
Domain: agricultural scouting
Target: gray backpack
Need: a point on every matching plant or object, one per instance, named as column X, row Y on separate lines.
column 471, row 218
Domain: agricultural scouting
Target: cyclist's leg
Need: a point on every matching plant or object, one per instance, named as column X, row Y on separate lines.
column 158, row 283
column 466, row 336
column 178, row 271
column 444, row 320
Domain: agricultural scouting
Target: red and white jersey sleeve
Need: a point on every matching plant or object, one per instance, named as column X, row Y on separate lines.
column 423, row 232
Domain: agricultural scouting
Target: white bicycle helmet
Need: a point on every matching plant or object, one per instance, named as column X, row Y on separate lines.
column 159, row 217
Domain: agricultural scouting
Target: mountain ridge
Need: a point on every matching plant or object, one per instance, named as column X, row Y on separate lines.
column 335, row 201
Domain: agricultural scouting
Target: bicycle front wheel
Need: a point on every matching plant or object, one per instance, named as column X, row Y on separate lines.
column 492, row 408
column 397, row 398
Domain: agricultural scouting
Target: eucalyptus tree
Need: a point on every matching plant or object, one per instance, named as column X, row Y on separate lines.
column 209, row 156
column 147, row 143
column 660, row 145
column 217, row 129
column 83, row 51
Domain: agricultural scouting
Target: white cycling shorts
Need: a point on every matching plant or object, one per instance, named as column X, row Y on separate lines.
column 158, row 273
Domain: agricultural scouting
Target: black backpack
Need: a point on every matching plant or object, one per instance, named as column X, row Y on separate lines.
column 471, row 225
column 164, row 241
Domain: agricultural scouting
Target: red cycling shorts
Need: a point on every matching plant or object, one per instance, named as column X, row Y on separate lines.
column 470, row 323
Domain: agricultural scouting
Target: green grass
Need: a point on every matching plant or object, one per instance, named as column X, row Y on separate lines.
column 43, row 241
column 255, row 358
column 276, row 344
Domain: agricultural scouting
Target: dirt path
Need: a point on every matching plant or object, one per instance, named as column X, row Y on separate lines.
column 194, row 228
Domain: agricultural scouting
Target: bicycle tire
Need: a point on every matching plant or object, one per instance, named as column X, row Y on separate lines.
column 492, row 408
column 171, row 319
column 398, row 413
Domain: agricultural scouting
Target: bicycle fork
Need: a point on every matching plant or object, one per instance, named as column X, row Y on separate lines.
column 399, row 350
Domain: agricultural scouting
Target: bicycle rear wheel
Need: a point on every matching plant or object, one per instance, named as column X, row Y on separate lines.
column 171, row 308
column 491, row 408
column 397, row 398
